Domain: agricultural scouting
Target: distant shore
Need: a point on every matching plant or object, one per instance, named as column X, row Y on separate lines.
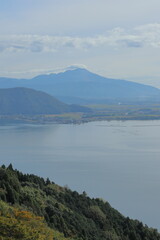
column 50, row 119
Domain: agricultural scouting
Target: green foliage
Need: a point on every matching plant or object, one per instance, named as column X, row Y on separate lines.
column 17, row 224
column 71, row 215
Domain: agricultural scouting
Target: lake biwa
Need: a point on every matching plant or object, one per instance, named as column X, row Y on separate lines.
column 117, row 161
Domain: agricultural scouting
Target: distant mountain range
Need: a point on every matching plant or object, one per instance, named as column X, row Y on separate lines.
column 14, row 101
column 81, row 86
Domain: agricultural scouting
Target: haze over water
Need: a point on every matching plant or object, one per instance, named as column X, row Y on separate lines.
column 117, row 161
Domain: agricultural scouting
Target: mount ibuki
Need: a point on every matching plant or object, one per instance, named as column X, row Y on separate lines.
column 82, row 86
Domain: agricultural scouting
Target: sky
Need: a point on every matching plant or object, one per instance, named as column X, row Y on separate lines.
column 114, row 38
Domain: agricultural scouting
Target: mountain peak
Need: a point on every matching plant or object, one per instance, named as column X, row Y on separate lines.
column 75, row 67
column 77, row 70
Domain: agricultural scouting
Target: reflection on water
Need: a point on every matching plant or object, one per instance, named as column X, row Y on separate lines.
column 118, row 161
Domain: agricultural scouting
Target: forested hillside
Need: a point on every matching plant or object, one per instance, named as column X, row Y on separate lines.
column 30, row 203
column 17, row 101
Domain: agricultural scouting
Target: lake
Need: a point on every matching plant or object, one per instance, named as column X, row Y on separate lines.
column 117, row 161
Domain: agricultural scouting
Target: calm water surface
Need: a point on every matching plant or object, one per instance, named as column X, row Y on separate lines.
column 117, row 161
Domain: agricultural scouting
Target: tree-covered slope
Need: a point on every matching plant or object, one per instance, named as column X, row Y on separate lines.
column 19, row 224
column 15, row 101
column 75, row 215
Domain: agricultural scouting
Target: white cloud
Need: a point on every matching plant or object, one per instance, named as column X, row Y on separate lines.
column 145, row 35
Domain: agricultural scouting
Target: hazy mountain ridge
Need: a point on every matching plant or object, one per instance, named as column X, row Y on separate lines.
column 28, row 101
column 80, row 84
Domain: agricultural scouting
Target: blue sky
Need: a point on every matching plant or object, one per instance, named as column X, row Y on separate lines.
column 118, row 38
